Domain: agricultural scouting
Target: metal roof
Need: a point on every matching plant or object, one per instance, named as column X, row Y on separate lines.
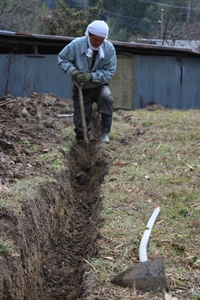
column 40, row 44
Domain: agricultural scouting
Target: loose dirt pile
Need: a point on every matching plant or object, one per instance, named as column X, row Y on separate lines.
column 50, row 200
column 28, row 125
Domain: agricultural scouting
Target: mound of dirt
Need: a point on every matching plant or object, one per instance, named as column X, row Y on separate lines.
column 49, row 209
column 29, row 125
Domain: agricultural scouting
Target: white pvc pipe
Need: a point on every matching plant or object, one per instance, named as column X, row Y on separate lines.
column 146, row 235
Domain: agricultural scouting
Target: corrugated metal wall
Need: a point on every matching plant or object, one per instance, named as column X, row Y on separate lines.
column 168, row 81
column 164, row 80
column 23, row 74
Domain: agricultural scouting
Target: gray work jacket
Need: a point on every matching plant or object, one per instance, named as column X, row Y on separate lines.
column 73, row 56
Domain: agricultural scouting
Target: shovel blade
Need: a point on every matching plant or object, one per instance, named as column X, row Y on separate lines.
column 146, row 276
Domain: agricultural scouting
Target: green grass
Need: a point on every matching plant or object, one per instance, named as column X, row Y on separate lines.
column 20, row 191
column 4, row 247
column 157, row 167
column 55, row 157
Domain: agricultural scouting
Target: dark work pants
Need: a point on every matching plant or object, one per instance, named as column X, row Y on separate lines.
column 101, row 95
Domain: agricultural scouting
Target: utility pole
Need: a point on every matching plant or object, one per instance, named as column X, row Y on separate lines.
column 85, row 3
column 188, row 13
column 161, row 24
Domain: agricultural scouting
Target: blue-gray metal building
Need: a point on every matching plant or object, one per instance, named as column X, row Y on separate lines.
column 146, row 74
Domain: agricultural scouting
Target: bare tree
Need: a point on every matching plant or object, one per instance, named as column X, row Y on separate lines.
column 22, row 15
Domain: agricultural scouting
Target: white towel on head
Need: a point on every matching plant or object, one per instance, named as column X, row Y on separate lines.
column 98, row 28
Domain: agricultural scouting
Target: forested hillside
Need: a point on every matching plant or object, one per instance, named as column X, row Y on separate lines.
column 128, row 20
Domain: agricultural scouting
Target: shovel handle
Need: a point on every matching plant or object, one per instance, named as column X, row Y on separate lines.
column 84, row 128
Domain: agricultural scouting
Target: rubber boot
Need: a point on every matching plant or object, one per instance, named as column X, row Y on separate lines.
column 106, row 122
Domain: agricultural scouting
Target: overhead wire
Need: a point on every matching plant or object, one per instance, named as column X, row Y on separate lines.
column 166, row 5
column 131, row 22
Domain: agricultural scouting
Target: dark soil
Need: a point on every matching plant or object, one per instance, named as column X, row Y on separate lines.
column 50, row 223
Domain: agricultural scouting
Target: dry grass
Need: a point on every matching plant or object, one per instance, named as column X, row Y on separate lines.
column 156, row 161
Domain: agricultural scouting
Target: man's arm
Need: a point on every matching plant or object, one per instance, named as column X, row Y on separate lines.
column 66, row 58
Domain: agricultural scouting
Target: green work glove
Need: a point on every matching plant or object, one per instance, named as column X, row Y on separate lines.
column 74, row 74
column 84, row 77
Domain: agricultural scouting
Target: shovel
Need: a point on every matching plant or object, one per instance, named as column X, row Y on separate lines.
column 84, row 128
column 148, row 275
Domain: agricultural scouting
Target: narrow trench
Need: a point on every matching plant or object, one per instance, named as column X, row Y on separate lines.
column 56, row 232
column 76, row 238
column 87, row 173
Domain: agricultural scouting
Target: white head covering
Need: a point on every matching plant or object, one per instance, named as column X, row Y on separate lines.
column 98, row 28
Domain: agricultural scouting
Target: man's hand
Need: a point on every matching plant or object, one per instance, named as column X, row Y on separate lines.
column 74, row 75
column 83, row 78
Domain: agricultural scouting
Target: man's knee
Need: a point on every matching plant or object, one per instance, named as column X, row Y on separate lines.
column 105, row 103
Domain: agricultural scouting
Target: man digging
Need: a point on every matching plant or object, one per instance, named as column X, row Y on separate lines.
column 91, row 61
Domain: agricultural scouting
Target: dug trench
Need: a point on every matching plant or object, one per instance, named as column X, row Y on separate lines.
column 54, row 233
